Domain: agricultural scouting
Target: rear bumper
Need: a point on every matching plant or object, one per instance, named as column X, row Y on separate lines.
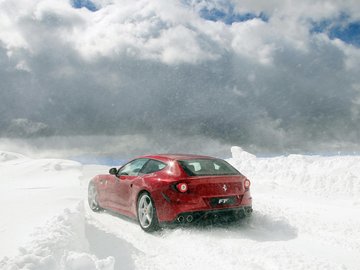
column 169, row 209
column 213, row 215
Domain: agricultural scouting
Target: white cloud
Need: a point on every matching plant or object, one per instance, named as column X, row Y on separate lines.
column 10, row 35
column 352, row 54
column 160, row 30
column 167, row 31
column 22, row 65
column 259, row 47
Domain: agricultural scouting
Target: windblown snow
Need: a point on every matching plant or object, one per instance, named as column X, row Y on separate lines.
column 307, row 216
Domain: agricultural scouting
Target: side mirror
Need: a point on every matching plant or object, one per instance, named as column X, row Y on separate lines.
column 113, row 171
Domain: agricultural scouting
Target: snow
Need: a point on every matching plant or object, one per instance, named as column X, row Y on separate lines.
column 31, row 192
column 307, row 216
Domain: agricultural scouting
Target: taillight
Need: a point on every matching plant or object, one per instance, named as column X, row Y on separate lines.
column 247, row 183
column 182, row 187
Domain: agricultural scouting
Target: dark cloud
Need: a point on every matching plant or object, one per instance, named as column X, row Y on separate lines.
column 227, row 100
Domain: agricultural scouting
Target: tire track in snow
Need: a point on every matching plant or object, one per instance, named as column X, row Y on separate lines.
column 253, row 244
column 103, row 244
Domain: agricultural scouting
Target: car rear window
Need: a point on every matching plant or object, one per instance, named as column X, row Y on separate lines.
column 199, row 167
column 152, row 166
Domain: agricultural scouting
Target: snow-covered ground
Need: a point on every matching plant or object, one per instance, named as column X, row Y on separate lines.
column 307, row 216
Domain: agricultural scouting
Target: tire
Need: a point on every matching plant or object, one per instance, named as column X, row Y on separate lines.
column 146, row 213
column 92, row 198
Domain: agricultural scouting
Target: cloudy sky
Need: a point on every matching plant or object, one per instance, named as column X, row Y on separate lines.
column 270, row 75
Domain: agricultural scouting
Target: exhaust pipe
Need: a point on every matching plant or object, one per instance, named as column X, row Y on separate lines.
column 248, row 211
column 180, row 219
column 189, row 218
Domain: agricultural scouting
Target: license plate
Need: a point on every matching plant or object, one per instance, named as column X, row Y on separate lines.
column 222, row 201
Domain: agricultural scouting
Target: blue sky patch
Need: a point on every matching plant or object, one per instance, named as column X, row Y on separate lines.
column 223, row 11
column 349, row 34
column 84, row 4
column 229, row 16
column 341, row 28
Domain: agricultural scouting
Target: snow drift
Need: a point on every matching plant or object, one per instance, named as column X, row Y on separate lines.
column 307, row 216
column 324, row 176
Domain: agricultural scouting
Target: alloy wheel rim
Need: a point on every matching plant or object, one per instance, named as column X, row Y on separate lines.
column 145, row 210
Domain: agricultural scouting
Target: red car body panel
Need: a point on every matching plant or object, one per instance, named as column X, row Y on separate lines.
column 120, row 193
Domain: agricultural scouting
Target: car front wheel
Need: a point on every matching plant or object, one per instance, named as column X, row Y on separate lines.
column 146, row 213
column 92, row 197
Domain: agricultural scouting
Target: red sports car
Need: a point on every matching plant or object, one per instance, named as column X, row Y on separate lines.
column 160, row 189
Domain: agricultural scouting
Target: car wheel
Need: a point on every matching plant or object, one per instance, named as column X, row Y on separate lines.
column 92, row 197
column 146, row 213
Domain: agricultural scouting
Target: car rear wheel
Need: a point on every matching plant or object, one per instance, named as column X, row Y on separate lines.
column 92, row 197
column 146, row 213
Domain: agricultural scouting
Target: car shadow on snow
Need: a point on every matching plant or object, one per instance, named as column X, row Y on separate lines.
column 259, row 227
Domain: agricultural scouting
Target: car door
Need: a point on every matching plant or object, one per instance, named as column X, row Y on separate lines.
column 121, row 186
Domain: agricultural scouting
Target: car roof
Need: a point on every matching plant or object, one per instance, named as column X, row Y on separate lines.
column 168, row 157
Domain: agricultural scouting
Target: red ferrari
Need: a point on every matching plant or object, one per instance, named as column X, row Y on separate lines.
column 175, row 189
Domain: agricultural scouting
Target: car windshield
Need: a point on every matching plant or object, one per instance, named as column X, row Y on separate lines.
column 199, row 167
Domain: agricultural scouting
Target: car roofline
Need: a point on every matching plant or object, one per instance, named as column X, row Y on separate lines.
column 169, row 157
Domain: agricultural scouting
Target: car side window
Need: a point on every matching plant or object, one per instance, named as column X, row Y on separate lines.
column 152, row 166
column 133, row 167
